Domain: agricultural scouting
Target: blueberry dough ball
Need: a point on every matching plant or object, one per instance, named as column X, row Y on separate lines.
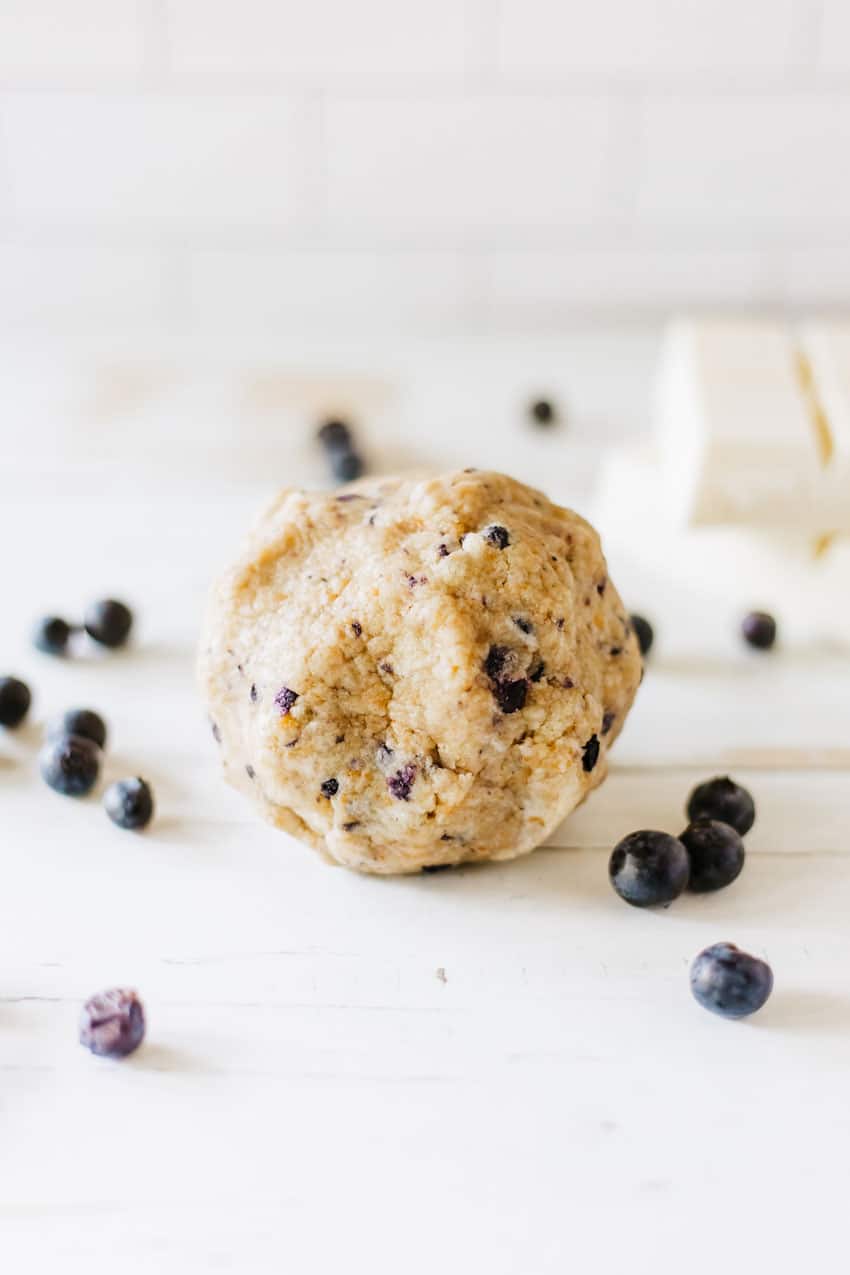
column 411, row 673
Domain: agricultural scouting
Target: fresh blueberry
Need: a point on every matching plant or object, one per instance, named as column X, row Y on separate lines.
column 129, row 803
column 542, row 411
column 644, row 633
column 346, row 465
column 648, row 868
column 716, row 853
column 329, row 788
column 335, row 436
column 108, row 622
column 112, row 1024
column 730, row 982
column 724, row 800
column 497, row 536
column 758, row 629
column 70, row 765
column 15, row 700
column 51, row 634
column 84, row 722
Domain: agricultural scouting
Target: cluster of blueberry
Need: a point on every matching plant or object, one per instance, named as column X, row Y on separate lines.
column 649, row 868
column 106, row 621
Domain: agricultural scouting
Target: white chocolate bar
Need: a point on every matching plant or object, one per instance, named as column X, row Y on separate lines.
column 739, row 439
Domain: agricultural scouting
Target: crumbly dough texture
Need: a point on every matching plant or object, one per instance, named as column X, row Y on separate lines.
column 407, row 674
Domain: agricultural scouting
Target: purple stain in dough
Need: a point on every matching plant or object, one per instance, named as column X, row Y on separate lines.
column 330, row 788
column 353, row 495
column 497, row 536
column 590, row 754
column 284, row 700
column 414, row 580
column 351, row 825
column 568, row 683
column 255, row 694
column 401, row 783
column 386, row 667
column 608, row 721
column 356, row 628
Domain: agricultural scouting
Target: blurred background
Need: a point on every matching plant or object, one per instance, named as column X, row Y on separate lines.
column 206, row 166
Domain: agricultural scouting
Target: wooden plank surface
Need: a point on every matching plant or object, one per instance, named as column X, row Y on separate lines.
column 497, row 1069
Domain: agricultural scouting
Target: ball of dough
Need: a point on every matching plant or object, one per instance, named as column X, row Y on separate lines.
column 410, row 673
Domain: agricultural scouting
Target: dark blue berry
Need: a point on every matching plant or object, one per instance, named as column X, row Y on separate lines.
column 497, row 536
column 590, row 753
column 51, row 635
column 730, row 982
column 330, row 788
column 724, row 800
column 70, row 765
column 346, row 465
column 542, row 412
column 511, row 696
column 108, row 622
column 15, row 700
column 759, row 630
column 401, row 783
column 335, row 436
column 84, row 722
column 129, row 803
column 644, row 633
column 716, row 853
column 284, row 699
column 648, row 868
column 112, row 1024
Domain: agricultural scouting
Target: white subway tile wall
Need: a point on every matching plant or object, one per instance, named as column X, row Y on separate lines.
column 201, row 163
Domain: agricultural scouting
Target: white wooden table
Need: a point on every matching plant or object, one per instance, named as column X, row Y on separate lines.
column 493, row 1070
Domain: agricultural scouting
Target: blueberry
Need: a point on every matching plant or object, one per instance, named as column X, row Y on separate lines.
column 542, row 411
column 730, row 982
column 129, row 803
column 648, row 868
column 511, row 696
column 284, row 700
column 590, row 754
column 401, row 783
column 84, row 722
column 758, row 629
column 724, row 800
column 51, row 634
column 497, row 536
column 346, row 465
column 15, row 700
column 329, row 788
column 643, row 631
column 70, row 765
column 335, row 436
column 112, row 1024
column 108, row 622
column 716, row 853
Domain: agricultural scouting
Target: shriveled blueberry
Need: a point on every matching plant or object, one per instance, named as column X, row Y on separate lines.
column 716, row 853
column 112, row 1024
column 329, row 788
column 15, row 700
column 590, row 753
column 335, row 436
column 345, row 466
column 644, row 633
column 108, row 622
column 84, row 722
column 723, row 799
column 496, row 662
column 498, row 537
column 401, row 783
column 511, row 696
column 356, row 628
column 730, row 982
column 51, row 634
column 759, row 630
column 542, row 411
column 70, row 765
column 284, row 700
column 129, row 803
column 649, row 868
